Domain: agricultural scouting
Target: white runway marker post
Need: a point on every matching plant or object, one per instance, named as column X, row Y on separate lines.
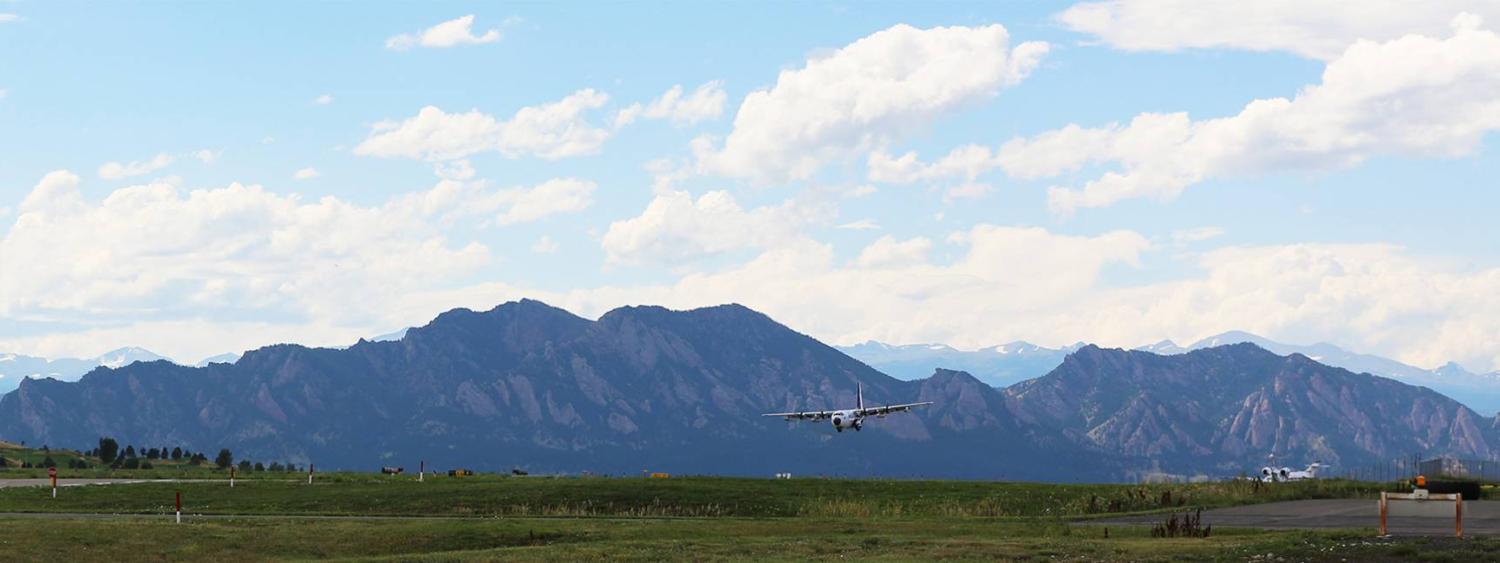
column 52, row 473
column 309, row 473
column 231, row 476
column 179, row 507
column 421, row 470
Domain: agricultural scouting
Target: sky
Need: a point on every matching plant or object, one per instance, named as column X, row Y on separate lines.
column 200, row 178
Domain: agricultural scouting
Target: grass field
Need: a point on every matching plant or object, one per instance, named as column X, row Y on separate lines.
column 279, row 516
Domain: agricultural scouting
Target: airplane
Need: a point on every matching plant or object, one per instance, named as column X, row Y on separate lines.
column 850, row 418
column 1270, row 474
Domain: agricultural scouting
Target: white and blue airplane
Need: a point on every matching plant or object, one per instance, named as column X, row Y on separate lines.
column 850, row 418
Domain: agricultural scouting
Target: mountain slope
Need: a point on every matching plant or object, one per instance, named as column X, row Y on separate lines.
column 529, row 385
column 1480, row 392
column 1221, row 410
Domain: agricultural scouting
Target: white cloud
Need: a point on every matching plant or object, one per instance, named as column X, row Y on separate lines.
column 863, row 96
column 207, row 156
column 154, row 252
column 116, row 170
column 675, row 229
column 1199, row 234
column 306, row 174
column 4, row 93
column 1444, row 89
column 889, row 252
column 861, row 225
column 550, row 131
column 544, row 245
column 7, row 18
column 451, row 33
column 1319, row 29
column 706, row 102
column 323, row 100
column 553, row 197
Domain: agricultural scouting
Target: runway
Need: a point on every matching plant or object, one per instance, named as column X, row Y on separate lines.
column 1430, row 518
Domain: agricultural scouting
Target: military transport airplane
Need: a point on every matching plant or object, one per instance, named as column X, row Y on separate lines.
column 849, row 418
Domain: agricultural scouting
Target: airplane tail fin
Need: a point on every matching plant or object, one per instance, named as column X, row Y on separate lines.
column 859, row 396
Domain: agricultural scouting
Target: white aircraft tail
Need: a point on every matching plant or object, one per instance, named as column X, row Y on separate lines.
column 859, row 396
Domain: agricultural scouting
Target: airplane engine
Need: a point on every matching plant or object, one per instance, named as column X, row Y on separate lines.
column 838, row 424
column 858, row 424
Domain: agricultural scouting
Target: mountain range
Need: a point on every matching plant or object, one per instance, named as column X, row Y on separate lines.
column 15, row 367
column 646, row 388
column 1007, row 364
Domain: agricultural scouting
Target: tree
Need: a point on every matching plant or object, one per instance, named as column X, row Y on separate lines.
column 132, row 463
column 245, row 465
column 224, row 459
column 259, row 467
column 153, row 453
column 276, row 466
column 108, row 450
column 129, row 451
column 176, row 453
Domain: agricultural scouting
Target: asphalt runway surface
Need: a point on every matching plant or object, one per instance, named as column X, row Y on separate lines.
column 1428, row 518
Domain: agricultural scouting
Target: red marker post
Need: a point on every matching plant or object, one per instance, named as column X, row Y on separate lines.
column 52, row 473
column 179, row 507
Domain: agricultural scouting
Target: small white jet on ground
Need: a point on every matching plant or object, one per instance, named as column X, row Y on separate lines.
column 850, row 418
column 1279, row 474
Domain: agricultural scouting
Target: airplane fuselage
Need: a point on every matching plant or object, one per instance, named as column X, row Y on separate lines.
column 847, row 419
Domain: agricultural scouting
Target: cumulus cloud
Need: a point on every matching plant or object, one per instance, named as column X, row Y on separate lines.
column 1319, row 29
column 154, row 251
column 306, row 174
column 675, row 228
column 117, row 170
column 1414, row 95
column 323, row 100
column 549, row 131
column 889, row 252
column 544, row 245
column 861, row 225
column 207, row 156
column 706, row 102
column 451, row 33
column 862, row 96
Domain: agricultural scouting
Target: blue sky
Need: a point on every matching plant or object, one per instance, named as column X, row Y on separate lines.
column 1357, row 209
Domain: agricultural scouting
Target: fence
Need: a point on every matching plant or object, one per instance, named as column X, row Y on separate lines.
column 1408, row 467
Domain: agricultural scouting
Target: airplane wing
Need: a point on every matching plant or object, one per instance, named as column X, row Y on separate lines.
column 808, row 415
column 888, row 409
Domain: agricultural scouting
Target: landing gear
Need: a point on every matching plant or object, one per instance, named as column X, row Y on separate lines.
column 859, row 425
column 839, row 428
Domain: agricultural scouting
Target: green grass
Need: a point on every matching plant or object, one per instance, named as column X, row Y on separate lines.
column 491, row 517
column 698, row 539
column 700, row 497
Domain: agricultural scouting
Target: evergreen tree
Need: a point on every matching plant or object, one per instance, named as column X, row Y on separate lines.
column 176, row 453
column 276, row 466
column 153, row 453
column 259, row 467
column 245, row 465
column 224, row 459
column 108, row 450
column 129, row 451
